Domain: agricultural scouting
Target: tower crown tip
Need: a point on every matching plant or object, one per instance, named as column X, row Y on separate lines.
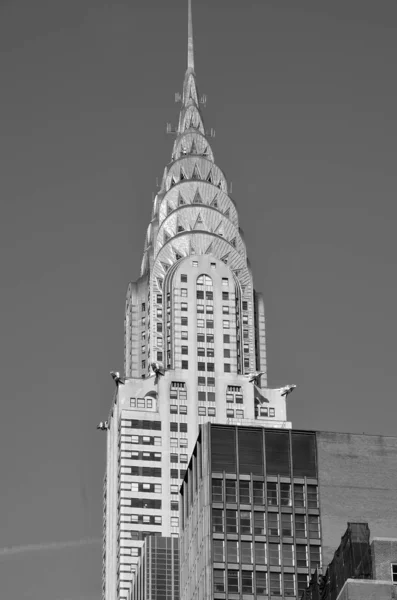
column 190, row 47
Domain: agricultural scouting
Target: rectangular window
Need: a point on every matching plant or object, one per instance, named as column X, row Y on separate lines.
column 229, row 398
column 174, row 473
column 259, row 523
column 288, row 555
column 218, row 549
column 217, row 490
column 159, row 327
column 194, row 263
column 202, row 411
column 173, row 409
column 185, row 364
column 226, row 339
column 225, row 310
column 211, row 396
column 184, row 278
column 244, row 492
column 184, row 349
column 174, row 505
column 174, row 521
column 260, row 553
column 200, row 351
column 232, row 551
column 285, row 494
column 200, row 322
column 230, row 413
column 174, row 442
column 211, row 412
column 226, row 367
column 394, row 572
column 231, row 490
column 246, row 582
column 314, row 527
column 263, row 411
column 183, row 458
column 183, row 427
column 159, row 299
column 209, row 309
column 225, row 295
column 184, row 335
column 301, row 555
column 211, row 366
column 202, row 396
column 209, row 295
column 200, row 309
column 183, row 409
column 226, row 353
column 217, row 520
column 184, row 292
column 233, row 586
column 299, row 495
column 184, row 321
column 238, row 398
column 315, row 557
column 210, row 324
column 210, row 338
column 239, row 414
column 219, row 580
column 245, row 522
column 286, row 524
column 245, row 305
column 200, row 295
column 183, row 443
column 274, row 555
column 225, row 281
column 200, row 379
column 200, row 337
column 226, row 324
column 143, row 364
column 261, row 583
column 300, row 526
column 272, row 412
column 246, row 552
column 273, row 523
column 184, row 306
column 211, row 381
column 289, row 584
column 302, row 583
column 201, row 366
column 312, row 496
column 231, row 521
column 272, row 494
column 275, row 584
column 210, row 353
column 173, row 426
column 173, row 458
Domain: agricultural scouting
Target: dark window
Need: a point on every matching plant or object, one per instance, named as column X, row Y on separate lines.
column 200, row 351
column 302, row 583
column 184, row 278
column 226, row 353
column 258, row 492
column 173, row 426
column 200, row 337
column 299, row 495
column 394, row 572
column 314, row 527
column 201, row 380
column 300, row 526
column 232, row 551
column 245, row 522
column 233, row 581
column 183, row 427
column 259, row 523
column 211, row 396
column 285, row 494
column 312, row 496
column 159, row 327
column 246, row 552
column 217, row 520
column 159, row 299
column 226, row 367
column 173, row 458
column 260, row 553
column 301, row 555
column 160, row 356
column 225, row 295
column 245, row 305
column 288, row 555
column 272, row 493
column 315, row 557
column 174, row 473
column 200, row 295
column 275, row 584
column 261, row 583
column 219, row 580
column 210, row 366
column 210, row 324
column 209, row 295
column 273, row 523
column 250, row 451
column 210, row 352
column 223, row 449
column 286, row 524
column 174, row 505
column 184, row 321
column 201, row 396
column 244, row 492
column 231, row 521
column 226, row 338
column 289, row 584
column 210, row 338
column 211, row 381
column 231, row 490
column 201, row 366
column 304, row 454
column 217, row 490
column 184, row 349
column 277, row 452
column 246, row 582
column 218, row 547
column 274, row 555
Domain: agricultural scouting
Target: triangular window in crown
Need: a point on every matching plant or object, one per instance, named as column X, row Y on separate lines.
column 178, row 256
column 199, row 223
column 197, row 198
column 225, row 258
column 180, row 228
column 209, row 177
column 214, row 202
column 165, row 266
column 196, row 173
column 166, row 236
column 227, row 213
column 219, row 229
column 183, row 150
column 209, row 249
column 181, row 201
column 193, row 149
column 236, row 272
column 172, row 182
column 205, row 151
column 160, row 282
column 169, row 209
column 182, row 175
column 219, row 185
column 233, row 242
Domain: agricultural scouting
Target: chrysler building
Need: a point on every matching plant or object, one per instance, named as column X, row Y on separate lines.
column 194, row 345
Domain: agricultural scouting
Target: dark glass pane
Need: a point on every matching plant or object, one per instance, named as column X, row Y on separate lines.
column 277, row 452
column 304, row 454
column 223, row 449
column 250, row 451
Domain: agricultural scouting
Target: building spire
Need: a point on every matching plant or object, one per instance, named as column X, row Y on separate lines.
column 190, row 48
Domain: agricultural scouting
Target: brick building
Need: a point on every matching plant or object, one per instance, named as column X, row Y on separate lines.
column 261, row 508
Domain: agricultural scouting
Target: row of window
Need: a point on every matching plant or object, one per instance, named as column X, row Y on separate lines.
column 231, row 413
column 141, row 471
column 203, row 411
column 182, row 442
column 267, row 553
column 182, row 427
column 175, row 474
column 141, row 503
column 141, row 424
column 141, row 403
column 284, row 524
column 141, row 439
column 209, row 381
column 183, row 458
column 137, row 455
column 248, row 583
column 154, row 488
column 265, row 411
column 182, row 409
column 254, row 493
column 148, row 519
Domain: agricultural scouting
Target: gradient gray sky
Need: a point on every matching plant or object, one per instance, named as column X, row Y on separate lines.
column 303, row 99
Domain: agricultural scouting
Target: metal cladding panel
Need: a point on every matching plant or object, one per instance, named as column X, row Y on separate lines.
column 250, row 451
column 277, row 453
column 223, row 449
column 304, row 457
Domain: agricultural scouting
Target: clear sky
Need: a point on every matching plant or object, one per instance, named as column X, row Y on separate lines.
column 303, row 99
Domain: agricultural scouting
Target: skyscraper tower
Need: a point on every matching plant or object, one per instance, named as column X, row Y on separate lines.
column 194, row 346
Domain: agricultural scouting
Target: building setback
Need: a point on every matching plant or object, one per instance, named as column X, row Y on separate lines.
column 194, row 347
column 259, row 512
